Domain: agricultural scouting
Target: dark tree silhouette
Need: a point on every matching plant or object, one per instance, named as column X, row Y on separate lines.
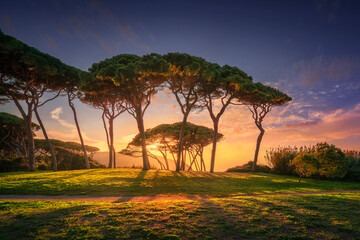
column 25, row 75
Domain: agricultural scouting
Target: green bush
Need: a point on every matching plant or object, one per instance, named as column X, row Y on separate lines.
column 247, row 167
column 306, row 165
column 353, row 169
column 13, row 164
column 332, row 161
column 279, row 159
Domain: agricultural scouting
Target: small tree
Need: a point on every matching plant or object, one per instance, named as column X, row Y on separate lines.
column 306, row 165
column 164, row 139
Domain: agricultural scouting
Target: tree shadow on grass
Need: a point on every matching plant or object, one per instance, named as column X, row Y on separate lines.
column 300, row 216
column 29, row 225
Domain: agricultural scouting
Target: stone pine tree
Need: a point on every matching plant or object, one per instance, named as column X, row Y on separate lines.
column 164, row 139
column 260, row 104
column 71, row 86
column 13, row 135
column 184, row 78
column 25, row 74
column 226, row 84
column 102, row 93
column 140, row 78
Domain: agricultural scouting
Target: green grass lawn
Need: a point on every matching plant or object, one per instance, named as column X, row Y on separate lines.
column 134, row 182
column 330, row 216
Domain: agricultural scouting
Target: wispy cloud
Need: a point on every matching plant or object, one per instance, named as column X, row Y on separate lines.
column 126, row 31
column 55, row 114
column 321, row 69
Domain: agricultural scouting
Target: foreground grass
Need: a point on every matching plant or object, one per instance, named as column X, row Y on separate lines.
column 331, row 216
column 134, row 182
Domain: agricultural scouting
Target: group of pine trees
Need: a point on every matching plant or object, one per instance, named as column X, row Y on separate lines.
column 127, row 83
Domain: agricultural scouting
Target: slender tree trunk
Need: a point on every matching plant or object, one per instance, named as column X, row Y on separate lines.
column 202, row 159
column 79, row 132
column 107, row 140
column 53, row 157
column 114, row 157
column 213, row 151
column 181, row 140
column 140, row 123
column 258, row 142
column 111, row 136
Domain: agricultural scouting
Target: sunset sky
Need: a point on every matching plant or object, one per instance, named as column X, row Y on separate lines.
column 308, row 49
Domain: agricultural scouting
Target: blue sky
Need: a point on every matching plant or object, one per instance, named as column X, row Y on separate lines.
column 309, row 49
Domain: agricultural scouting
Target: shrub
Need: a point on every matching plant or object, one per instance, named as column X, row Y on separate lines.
column 247, row 167
column 353, row 169
column 332, row 161
column 13, row 164
column 280, row 159
column 306, row 165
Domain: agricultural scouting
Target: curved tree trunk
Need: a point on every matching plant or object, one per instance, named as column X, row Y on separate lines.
column 79, row 132
column 258, row 142
column 140, row 123
column 213, row 151
column 53, row 157
column 181, row 142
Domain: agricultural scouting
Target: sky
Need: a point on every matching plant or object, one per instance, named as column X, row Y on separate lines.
column 307, row 49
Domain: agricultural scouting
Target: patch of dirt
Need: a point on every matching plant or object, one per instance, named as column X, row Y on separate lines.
column 150, row 198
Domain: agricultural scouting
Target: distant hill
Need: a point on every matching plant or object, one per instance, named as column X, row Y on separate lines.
column 128, row 161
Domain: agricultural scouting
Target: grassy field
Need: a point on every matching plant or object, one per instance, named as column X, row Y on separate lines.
column 330, row 216
column 134, row 182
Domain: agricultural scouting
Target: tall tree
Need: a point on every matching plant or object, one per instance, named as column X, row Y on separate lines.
column 260, row 104
column 105, row 95
column 38, row 94
column 184, row 78
column 226, row 84
column 139, row 78
column 25, row 74
column 73, row 92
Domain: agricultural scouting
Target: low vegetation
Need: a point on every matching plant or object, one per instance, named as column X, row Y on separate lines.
column 134, row 182
column 321, row 161
column 247, row 167
column 331, row 216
